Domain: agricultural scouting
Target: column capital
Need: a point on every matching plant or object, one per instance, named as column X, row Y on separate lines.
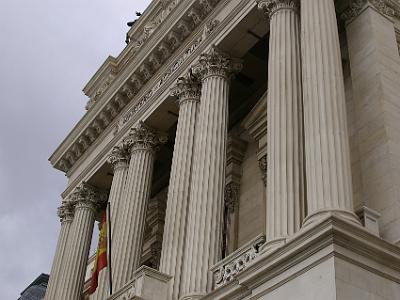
column 231, row 196
column 87, row 196
column 357, row 6
column 270, row 7
column 262, row 163
column 142, row 137
column 66, row 211
column 215, row 62
column 187, row 88
column 118, row 157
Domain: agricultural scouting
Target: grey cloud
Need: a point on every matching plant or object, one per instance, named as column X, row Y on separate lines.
column 48, row 51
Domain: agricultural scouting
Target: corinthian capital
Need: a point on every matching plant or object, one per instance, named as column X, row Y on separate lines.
column 232, row 196
column 216, row 63
column 270, row 7
column 118, row 157
column 87, row 196
column 66, row 212
column 142, row 137
column 187, row 88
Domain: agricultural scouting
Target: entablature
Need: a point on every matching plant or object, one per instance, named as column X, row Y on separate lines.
column 120, row 80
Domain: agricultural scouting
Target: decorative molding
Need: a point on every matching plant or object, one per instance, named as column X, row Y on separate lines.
column 187, row 88
column 270, row 7
column 142, row 137
column 208, row 29
column 385, row 7
column 215, row 62
column 226, row 270
column 120, row 96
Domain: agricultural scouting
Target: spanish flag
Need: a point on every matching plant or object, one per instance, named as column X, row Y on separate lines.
column 101, row 255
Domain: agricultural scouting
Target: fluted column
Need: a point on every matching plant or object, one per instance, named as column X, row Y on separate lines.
column 118, row 158
column 285, row 191
column 204, row 235
column 87, row 202
column 327, row 153
column 66, row 214
column 187, row 90
column 142, row 143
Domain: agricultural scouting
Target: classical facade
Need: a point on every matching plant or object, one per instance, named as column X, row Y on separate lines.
column 248, row 150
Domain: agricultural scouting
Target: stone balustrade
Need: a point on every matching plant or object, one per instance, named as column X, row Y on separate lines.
column 226, row 270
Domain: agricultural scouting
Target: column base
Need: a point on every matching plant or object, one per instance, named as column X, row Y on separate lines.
column 323, row 214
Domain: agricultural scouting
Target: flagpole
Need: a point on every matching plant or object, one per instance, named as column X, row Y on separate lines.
column 109, row 247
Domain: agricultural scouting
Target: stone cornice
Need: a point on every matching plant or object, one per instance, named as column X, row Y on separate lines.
column 134, row 70
column 389, row 8
column 180, row 64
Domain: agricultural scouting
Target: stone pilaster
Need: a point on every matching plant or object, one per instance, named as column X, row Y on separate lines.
column 142, row 143
column 119, row 160
column 327, row 153
column 66, row 214
column 204, row 234
column 375, row 68
column 87, row 201
column 187, row 91
column 285, row 190
column 236, row 149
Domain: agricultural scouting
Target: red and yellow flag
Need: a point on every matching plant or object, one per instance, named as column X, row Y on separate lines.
column 101, row 255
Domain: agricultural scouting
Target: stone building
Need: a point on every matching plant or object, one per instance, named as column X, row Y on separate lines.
column 249, row 150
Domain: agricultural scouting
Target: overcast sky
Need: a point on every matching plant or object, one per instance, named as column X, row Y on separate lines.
column 49, row 49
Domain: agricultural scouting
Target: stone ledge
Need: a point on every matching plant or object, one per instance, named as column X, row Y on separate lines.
column 147, row 284
column 330, row 238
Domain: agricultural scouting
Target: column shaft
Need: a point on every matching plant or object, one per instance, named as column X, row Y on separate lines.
column 119, row 161
column 285, row 191
column 188, row 92
column 326, row 137
column 78, row 252
column 66, row 214
column 129, row 237
column 203, row 248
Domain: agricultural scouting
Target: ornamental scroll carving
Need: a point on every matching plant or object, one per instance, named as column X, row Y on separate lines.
column 237, row 262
